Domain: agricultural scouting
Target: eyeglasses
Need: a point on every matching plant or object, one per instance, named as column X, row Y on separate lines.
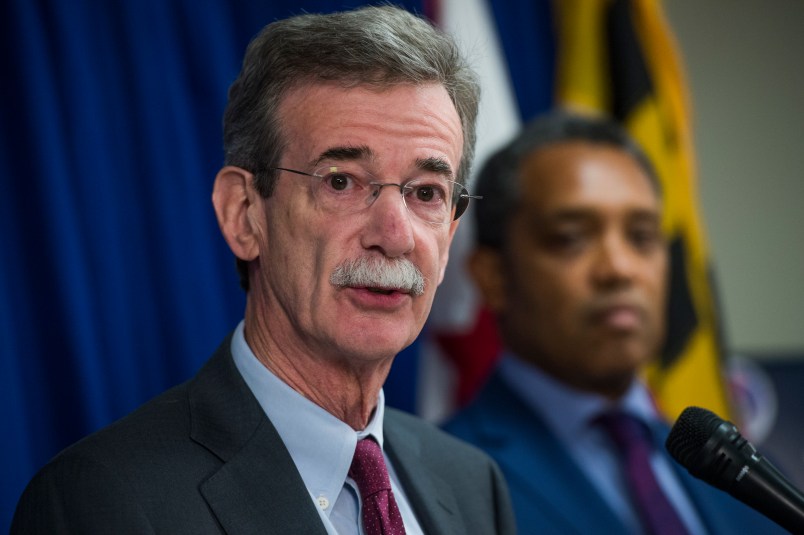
column 349, row 188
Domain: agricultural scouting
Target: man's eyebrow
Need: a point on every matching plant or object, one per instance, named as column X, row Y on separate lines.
column 435, row 165
column 570, row 214
column 646, row 215
column 567, row 215
column 344, row 153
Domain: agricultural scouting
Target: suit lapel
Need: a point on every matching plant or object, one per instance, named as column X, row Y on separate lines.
column 257, row 489
column 260, row 491
column 536, row 463
column 432, row 498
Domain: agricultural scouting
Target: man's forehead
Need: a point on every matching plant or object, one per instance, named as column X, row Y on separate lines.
column 329, row 121
column 584, row 169
column 569, row 206
column 314, row 88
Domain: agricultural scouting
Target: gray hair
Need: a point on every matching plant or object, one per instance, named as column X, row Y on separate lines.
column 499, row 179
column 380, row 46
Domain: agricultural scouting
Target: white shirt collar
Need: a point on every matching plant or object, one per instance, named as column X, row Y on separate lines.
column 574, row 408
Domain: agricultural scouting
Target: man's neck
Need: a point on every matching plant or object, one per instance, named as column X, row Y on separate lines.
column 347, row 391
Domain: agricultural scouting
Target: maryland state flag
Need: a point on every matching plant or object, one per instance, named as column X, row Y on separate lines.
column 617, row 57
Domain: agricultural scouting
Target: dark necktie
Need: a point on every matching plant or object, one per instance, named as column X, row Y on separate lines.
column 632, row 438
column 380, row 513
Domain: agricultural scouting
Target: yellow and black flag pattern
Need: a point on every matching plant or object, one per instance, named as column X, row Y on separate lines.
column 617, row 57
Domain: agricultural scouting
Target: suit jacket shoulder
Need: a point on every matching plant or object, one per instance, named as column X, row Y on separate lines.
column 200, row 458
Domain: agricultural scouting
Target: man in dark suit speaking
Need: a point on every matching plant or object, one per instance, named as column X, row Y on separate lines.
column 348, row 139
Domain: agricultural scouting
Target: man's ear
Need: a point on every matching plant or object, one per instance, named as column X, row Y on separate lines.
column 237, row 205
column 486, row 269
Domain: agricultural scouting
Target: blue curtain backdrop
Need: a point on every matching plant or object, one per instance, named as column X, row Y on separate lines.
column 114, row 281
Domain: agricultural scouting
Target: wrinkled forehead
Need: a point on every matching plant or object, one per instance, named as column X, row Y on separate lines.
column 333, row 122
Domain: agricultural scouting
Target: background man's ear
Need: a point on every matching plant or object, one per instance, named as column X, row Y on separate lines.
column 234, row 198
column 486, row 269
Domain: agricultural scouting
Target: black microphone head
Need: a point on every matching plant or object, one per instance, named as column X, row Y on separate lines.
column 690, row 433
column 709, row 447
column 712, row 450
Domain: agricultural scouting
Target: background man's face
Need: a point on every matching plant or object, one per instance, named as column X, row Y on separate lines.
column 584, row 267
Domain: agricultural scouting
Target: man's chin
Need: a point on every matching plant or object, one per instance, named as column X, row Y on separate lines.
column 620, row 358
column 629, row 347
column 374, row 346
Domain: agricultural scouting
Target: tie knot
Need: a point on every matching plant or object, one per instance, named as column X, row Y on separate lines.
column 625, row 430
column 368, row 468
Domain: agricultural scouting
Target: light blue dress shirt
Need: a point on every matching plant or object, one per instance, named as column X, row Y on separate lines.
column 321, row 445
column 569, row 414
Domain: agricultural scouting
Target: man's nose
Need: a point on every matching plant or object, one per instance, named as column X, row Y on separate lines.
column 389, row 226
column 614, row 261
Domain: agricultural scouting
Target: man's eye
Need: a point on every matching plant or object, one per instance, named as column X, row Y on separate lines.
column 428, row 193
column 645, row 238
column 338, row 181
column 564, row 241
column 425, row 193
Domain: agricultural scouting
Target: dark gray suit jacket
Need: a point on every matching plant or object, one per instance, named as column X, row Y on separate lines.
column 203, row 458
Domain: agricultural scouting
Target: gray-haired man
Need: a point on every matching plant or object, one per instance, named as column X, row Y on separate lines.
column 340, row 273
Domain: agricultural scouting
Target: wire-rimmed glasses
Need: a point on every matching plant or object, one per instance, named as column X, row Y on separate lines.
column 348, row 188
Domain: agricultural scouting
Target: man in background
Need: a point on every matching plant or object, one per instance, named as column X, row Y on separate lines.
column 348, row 139
column 572, row 260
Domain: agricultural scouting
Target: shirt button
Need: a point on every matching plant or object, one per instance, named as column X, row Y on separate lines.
column 323, row 503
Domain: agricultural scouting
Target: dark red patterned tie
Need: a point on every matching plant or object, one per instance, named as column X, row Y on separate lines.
column 380, row 512
column 633, row 440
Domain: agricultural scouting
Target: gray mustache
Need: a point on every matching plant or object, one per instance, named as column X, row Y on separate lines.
column 396, row 273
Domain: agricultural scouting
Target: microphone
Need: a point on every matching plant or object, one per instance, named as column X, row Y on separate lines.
column 712, row 449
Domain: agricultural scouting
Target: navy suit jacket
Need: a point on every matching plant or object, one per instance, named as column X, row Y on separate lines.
column 203, row 458
column 549, row 491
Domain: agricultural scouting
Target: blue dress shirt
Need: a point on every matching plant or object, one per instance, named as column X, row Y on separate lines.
column 321, row 445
